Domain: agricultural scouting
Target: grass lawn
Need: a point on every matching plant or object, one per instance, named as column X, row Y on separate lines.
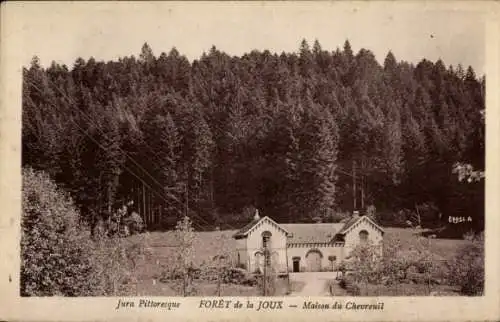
column 162, row 246
column 403, row 289
column 410, row 238
column 407, row 290
column 146, row 288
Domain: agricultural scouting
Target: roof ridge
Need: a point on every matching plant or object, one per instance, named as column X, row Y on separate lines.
column 245, row 229
column 354, row 220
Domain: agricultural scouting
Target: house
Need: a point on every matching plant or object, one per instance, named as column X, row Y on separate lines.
column 302, row 247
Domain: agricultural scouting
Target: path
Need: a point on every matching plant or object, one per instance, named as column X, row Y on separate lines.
column 315, row 283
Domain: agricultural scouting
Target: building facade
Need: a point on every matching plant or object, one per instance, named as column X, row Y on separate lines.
column 302, row 247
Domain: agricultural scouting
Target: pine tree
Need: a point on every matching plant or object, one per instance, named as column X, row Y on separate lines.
column 41, row 126
column 162, row 137
column 390, row 63
column 225, row 132
column 198, row 157
column 318, row 155
column 146, row 55
column 110, row 160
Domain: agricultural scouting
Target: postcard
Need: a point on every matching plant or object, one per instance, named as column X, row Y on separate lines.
column 248, row 161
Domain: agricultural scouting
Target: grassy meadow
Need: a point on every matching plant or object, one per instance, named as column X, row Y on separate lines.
column 161, row 247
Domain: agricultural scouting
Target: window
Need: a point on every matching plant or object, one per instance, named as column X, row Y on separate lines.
column 363, row 236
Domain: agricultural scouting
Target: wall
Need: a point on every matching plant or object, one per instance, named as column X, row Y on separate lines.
column 277, row 244
column 241, row 249
column 300, row 250
column 281, row 254
column 352, row 237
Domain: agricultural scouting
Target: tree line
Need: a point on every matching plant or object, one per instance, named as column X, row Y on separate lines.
column 298, row 135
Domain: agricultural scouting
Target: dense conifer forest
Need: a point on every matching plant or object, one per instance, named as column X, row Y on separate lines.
column 300, row 136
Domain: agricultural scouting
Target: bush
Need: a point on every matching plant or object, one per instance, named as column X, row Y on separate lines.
column 56, row 252
column 400, row 265
column 365, row 262
column 58, row 255
column 115, row 262
column 134, row 223
column 467, row 268
column 241, row 266
column 350, row 285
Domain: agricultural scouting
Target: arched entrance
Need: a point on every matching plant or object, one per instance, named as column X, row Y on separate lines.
column 313, row 259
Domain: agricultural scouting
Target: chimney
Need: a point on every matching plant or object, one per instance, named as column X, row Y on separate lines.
column 256, row 217
column 355, row 214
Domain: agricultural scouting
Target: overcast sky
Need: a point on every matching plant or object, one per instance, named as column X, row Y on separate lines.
column 65, row 31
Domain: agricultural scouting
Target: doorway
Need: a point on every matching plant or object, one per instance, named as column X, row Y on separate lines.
column 296, row 264
column 313, row 258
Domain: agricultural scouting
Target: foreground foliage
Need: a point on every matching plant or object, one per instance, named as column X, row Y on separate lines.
column 58, row 255
column 467, row 268
column 415, row 270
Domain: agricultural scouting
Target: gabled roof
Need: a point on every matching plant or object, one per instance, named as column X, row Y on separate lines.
column 352, row 221
column 243, row 232
column 309, row 233
column 348, row 224
column 312, row 233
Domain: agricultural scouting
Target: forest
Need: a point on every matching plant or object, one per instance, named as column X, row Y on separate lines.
column 302, row 136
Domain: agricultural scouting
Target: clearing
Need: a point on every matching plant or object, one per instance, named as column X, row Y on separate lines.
column 162, row 246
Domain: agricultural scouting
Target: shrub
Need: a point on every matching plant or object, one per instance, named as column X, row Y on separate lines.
column 467, row 268
column 58, row 255
column 56, row 252
column 239, row 276
column 116, row 261
column 365, row 263
column 398, row 263
column 349, row 284
column 241, row 265
column 134, row 223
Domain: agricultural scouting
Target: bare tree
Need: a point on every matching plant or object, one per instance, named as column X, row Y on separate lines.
column 184, row 255
column 221, row 262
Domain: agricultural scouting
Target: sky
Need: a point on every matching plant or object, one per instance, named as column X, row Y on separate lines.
column 64, row 31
